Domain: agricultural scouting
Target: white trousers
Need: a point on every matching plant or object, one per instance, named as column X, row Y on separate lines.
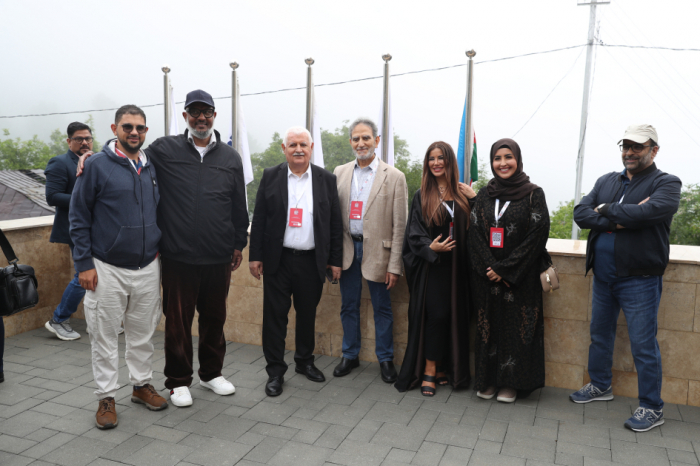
column 131, row 296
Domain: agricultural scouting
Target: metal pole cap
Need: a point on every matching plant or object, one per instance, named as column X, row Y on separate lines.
column 309, row 61
column 234, row 65
column 386, row 57
column 471, row 53
column 166, row 69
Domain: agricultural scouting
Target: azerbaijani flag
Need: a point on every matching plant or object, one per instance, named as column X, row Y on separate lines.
column 474, row 168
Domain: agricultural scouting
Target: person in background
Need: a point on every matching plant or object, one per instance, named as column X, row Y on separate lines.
column 60, row 180
column 296, row 235
column 373, row 207
column 507, row 240
column 629, row 214
column 436, row 262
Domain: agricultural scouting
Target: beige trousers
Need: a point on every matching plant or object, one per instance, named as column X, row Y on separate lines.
column 131, row 296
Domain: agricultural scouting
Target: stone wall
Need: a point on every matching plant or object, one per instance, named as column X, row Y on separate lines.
column 567, row 314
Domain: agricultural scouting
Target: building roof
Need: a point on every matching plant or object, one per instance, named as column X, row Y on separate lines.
column 22, row 196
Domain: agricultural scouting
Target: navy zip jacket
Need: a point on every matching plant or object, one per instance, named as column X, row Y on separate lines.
column 203, row 214
column 642, row 246
column 113, row 213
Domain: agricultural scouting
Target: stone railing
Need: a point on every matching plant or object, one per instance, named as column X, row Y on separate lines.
column 567, row 313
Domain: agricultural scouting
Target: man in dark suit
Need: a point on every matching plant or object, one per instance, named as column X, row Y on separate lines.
column 297, row 234
column 60, row 179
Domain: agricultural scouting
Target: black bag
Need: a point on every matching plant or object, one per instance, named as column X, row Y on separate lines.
column 17, row 283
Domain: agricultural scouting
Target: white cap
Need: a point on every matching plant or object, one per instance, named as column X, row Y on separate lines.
column 640, row 134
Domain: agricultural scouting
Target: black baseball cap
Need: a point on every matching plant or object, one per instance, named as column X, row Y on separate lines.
column 199, row 96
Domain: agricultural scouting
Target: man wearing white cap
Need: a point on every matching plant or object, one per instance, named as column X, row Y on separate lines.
column 629, row 214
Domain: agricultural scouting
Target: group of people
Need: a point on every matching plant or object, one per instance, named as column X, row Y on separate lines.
column 175, row 215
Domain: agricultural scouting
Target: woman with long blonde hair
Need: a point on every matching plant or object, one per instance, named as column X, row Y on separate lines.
column 434, row 254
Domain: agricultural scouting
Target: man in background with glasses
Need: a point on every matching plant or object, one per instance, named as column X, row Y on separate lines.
column 60, row 180
column 629, row 214
column 113, row 226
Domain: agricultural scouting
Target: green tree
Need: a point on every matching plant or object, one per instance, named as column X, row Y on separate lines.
column 561, row 220
column 484, row 178
column 18, row 154
column 685, row 228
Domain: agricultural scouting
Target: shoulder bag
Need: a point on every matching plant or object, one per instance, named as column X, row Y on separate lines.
column 18, row 285
column 549, row 277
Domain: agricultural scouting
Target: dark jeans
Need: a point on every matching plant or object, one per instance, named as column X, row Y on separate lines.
column 2, row 341
column 186, row 286
column 639, row 299
column 72, row 296
column 296, row 276
column 351, row 294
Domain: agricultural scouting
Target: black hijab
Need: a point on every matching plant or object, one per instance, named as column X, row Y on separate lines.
column 518, row 185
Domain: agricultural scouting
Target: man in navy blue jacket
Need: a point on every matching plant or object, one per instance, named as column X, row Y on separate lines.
column 113, row 226
column 629, row 215
column 60, row 179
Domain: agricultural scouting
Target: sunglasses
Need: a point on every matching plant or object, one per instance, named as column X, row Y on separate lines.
column 636, row 148
column 128, row 128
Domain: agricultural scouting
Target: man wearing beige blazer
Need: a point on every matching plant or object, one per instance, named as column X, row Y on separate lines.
column 373, row 201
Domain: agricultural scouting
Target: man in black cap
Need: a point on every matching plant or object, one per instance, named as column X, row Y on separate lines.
column 203, row 218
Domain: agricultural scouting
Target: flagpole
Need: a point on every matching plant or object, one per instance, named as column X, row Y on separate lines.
column 309, row 94
column 166, row 100
column 385, row 116
column 468, row 131
column 234, row 105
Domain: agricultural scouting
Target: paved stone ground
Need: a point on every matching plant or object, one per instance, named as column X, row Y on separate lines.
column 47, row 413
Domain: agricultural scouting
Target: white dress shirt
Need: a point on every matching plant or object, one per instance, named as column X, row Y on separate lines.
column 364, row 177
column 300, row 194
column 202, row 150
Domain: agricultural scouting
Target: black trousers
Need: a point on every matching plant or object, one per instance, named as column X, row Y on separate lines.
column 297, row 277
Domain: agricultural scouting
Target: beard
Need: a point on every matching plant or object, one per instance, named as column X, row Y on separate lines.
column 200, row 134
column 642, row 161
column 131, row 148
column 369, row 154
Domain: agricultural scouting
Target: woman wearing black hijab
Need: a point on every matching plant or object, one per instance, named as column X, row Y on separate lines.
column 507, row 237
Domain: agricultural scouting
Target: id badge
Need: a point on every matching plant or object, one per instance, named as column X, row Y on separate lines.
column 496, row 236
column 295, row 217
column 356, row 210
column 452, row 230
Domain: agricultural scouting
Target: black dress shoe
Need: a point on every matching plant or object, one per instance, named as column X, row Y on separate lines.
column 273, row 387
column 388, row 371
column 345, row 367
column 311, row 372
column 2, row 375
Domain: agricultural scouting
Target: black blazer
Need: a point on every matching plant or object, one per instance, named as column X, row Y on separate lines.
column 270, row 219
column 60, row 179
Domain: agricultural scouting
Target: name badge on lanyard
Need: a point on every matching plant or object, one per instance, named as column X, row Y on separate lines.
column 496, row 234
column 356, row 210
column 452, row 223
column 295, row 213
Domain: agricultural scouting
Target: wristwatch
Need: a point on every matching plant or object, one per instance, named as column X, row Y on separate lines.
column 600, row 206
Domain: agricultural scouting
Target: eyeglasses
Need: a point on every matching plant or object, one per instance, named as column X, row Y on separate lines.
column 636, row 148
column 195, row 112
column 128, row 128
column 80, row 140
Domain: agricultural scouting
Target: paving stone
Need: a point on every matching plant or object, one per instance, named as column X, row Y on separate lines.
column 688, row 413
column 365, row 430
column 15, row 445
column 429, row 454
column 194, row 441
column 354, row 453
column 682, row 430
column 13, row 393
column 250, row 438
column 684, row 457
column 389, row 412
column 270, row 413
column 625, row 435
column 404, row 437
column 583, row 450
column 158, row 453
column 24, row 405
column 512, row 413
column 41, row 435
column 217, row 452
column 341, row 415
column 584, row 435
column 79, row 397
column 536, row 432
column 102, row 462
column 78, row 452
column 48, row 445
column 528, row 446
column 384, row 392
column 50, row 407
column 488, row 445
column 456, row 456
column 274, row 431
column 636, row 454
column 400, row 456
column 128, row 447
column 164, row 433
column 339, row 395
column 459, row 436
column 664, row 442
column 333, row 436
column 494, row 431
column 480, row 458
column 299, row 454
column 568, row 459
column 25, row 423
column 114, row 436
column 265, row 450
column 223, row 427
column 560, row 415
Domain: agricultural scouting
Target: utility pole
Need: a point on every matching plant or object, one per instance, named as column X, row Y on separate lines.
column 309, row 95
column 234, row 105
column 385, row 129
column 166, row 99
column 469, row 129
column 584, row 107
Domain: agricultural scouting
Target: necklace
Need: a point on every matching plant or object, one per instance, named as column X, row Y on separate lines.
column 442, row 189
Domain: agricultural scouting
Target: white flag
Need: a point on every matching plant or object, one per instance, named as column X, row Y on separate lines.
column 390, row 136
column 317, row 155
column 243, row 149
column 173, row 130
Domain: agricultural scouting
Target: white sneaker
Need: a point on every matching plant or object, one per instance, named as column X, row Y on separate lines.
column 219, row 385
column 180, row 396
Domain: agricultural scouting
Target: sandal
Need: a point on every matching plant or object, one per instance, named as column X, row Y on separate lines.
column 442, row 380
column 425, row 390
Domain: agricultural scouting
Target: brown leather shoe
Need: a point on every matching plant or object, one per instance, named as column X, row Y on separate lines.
column 106, row 417
column 148, row 396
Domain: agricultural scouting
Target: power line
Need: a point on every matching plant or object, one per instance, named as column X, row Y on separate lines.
column 356, row 80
